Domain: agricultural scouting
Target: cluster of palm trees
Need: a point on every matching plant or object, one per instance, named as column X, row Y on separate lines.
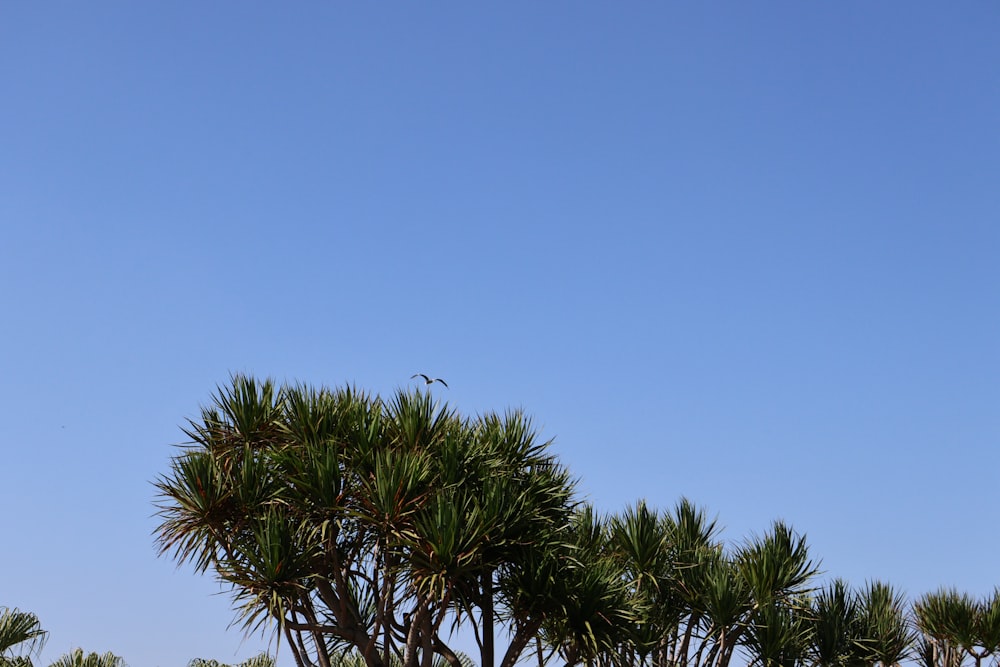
column 365, row 529
column 695, row 603
column 21, row 636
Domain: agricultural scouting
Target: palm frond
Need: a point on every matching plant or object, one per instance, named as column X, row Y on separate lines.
column 21, row 634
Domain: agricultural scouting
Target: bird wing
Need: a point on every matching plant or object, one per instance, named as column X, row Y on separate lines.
column 441, row 381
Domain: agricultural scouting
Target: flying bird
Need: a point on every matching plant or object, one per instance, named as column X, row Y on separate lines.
column 428, row 380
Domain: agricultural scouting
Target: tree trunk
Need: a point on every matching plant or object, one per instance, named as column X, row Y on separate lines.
column 414, row 623
column 445, row 652
column 682, row 653
column 426, row 643
column 521, row 638
column 487, row 652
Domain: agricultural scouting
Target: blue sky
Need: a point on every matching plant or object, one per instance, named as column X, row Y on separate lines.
column 742, row 252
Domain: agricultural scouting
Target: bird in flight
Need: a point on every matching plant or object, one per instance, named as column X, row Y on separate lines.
column 428, row 380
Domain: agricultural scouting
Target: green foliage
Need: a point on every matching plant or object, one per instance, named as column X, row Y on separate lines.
column 776, row 566
column 365, row 528
column 21, row 635
column 15, row 661
column 597, row 610
column 888, row 635
column 837, row 638
column 77, row 658
column 867, row 628
column 355, row 660
column 261, row 660
column 955, row 625
column 778, row 634
column 357, row 522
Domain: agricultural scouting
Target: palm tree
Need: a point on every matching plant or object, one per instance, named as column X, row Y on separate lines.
column 837, row 634
column 987, row 635
column 955, row 625
column 777, row 571
column 695, row 553
column 77, row 658
column 888, row 634
column 597, row 612
column 356, row 524
column 639, row 539
column 21, row 634
column 779, row 633
column 944, row 617
column 726, row 600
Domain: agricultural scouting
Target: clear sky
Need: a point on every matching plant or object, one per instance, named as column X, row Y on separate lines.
column 745, row 252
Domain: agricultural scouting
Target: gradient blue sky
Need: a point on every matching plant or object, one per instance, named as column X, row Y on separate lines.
column 742, row 252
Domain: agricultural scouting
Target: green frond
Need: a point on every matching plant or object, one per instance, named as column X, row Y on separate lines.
column 77, row 658
column 778, row 635
column 396, row 487
column 987, row 631
column 21, row 634
column 838, row 638
column 196, row 504
column 260, row 660
column 776, row 566
column 690, row 528
column 945, row 615
column 726, row 596
column 446, row 545
column 16, row 661
column 888, row 636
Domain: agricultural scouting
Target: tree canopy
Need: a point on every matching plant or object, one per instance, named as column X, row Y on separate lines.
column 366, row 529
column 359, row 523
